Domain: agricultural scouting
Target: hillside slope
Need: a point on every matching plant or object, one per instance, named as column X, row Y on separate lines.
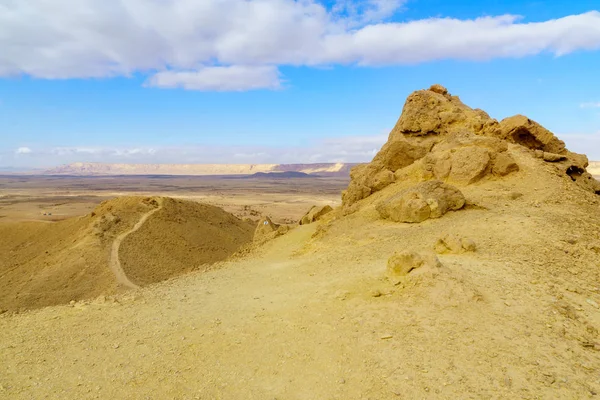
column 44, row 264
column 182, row 237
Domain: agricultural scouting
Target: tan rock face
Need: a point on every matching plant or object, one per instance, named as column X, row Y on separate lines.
column 438, row 137
column 315, row 214
column 396, row 154
column 504, row 164
column 553, row 157
column 267, row 230
column 264, row 228
column 436, row 112
column 526, row 132
column 469, row 164
column 426, row 200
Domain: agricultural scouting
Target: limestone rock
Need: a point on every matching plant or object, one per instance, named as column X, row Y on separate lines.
column 504, row 164
column 538, row 153
column 356, row 191
column 399, row 153
column 526, row 132
column 315, row 214
column 406, row 262
column 426, row 200
column 437, row 88
column 588, row 182
column 436, row 112
column 469, row 164
column 382, row 179
column 553, row 157
column 452, row 243
column 468, row 245
column 438, row 137
column 264, row 228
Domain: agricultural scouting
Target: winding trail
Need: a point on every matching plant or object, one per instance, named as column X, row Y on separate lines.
column 115, row 263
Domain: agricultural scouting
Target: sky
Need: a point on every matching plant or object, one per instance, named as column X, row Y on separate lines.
column 279, row 81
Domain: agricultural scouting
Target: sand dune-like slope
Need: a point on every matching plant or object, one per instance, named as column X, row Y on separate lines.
column 180, row 238
column 317, row 314
column 44, row 264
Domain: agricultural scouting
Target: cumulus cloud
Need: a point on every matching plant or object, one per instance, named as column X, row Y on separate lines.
column 23, row 150
column 223, row 44
column 219, row 79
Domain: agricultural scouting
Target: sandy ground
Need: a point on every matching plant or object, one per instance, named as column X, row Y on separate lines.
column 311, row 314
column 315, row 318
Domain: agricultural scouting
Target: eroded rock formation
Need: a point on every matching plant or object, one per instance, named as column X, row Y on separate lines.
column 315, row 214
column 437, row 137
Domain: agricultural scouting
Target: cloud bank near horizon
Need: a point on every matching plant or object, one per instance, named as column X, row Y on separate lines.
column 239, row 45
column 340, row 149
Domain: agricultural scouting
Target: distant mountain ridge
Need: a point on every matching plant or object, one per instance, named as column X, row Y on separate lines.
column 101, row 169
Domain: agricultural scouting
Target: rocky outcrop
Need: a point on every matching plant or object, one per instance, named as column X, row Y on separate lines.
column 454, row 244
column 436, row 112
column 264, row 228
column 405, row 262
column 315, row 214
column 267, row 230
column 426, row 200
column 437, row 137
column 528, row 133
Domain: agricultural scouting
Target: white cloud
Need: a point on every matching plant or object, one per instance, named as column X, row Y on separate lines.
column 219, row 79
column 23, row 150
column 340, row 149
column 590, row 105
column 220, row 44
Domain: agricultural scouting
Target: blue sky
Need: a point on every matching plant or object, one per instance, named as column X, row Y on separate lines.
column 234, row 81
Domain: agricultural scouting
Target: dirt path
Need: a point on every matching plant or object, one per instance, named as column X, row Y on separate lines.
column 115, row 263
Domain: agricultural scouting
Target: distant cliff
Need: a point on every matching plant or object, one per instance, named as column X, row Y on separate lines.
column 95, row 169
column 594, row 168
